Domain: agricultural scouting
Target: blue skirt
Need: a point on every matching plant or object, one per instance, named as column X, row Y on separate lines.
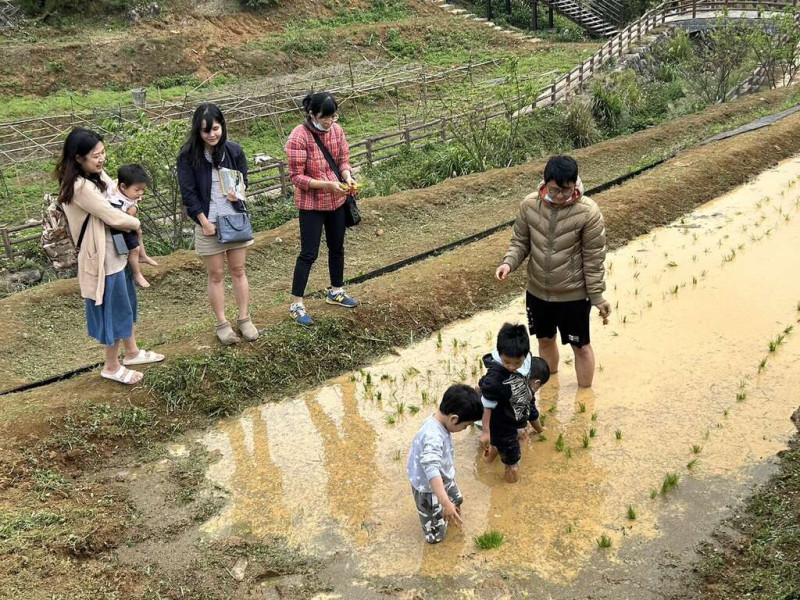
column 113, row 319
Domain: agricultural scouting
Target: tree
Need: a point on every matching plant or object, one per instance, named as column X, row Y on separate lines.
column 721, row 58
column 776, row 46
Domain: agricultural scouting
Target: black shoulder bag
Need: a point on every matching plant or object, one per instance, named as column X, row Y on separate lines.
column 352, row 216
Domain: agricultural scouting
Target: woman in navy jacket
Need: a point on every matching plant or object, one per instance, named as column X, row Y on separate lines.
column 206, row 151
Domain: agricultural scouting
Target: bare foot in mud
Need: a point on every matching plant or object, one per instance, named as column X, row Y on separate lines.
column 489, row 454
column 141, row 281
column 512, row 474
column 144, row 258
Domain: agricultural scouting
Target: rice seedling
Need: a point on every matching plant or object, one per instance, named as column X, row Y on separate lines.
column 741, row 396
column 568, row 529
column 788, row 329
column 568, row 360
column 726, row 411
column 624, row 319
column 614, row 334
column 592, row 432
column 455, row 344
column 490, row 540
column 653, row 494
column 542, row 437
column 707, row 434
column 582, row 407
column 604, row 541
column 560, row 443
column 631, row 513
column 762, row 365
column 594, row 417
column 411, row 372
column 353, row 377
column 391, row 419
column 397, row 455
column 368, row 380
column 438, row 340
column 696, row 449
column 742, row 384
column 703, row 273
column 729, row 257
column 462, row 375
column 568, row 452
column 774, row 344
column 694, row 280
column 425, row 397
column 552, row 409
column 672, row 264
column 674, row 290
column 401, row 408
column 600, row 367
column 379, row 396
column 413, row 409
column 585, row 441
column 543, row 420
column 649, row 304
column 618, row 434
column 636, row 275
column 670, row 481
column 616, row 305
column 691, row 464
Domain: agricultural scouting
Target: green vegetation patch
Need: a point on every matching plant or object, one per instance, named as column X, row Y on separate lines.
column 760, row 560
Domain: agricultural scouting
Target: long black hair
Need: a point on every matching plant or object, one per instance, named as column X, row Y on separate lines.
column 321, row 104
column 79, row 142
column 203, row 119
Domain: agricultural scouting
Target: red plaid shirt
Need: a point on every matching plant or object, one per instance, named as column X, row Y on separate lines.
column 306, row 162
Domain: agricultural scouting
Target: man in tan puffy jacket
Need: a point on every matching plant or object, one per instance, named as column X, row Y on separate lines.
column 563, row 233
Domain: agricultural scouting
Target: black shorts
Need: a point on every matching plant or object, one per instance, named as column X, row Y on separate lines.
column 131, row 239
column 570, row 318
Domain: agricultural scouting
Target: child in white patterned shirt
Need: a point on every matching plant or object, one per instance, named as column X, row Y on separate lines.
column 431, row 461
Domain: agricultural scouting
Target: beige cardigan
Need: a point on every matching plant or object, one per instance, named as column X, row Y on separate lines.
column 88, row 199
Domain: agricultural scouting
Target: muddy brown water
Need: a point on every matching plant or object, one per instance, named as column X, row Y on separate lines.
column 696, row 306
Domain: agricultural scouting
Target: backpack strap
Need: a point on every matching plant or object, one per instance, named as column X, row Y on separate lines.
column 331, row 163
column 83, row 231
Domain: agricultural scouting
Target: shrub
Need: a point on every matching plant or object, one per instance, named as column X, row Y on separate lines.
column 608, row 107
column 259, row 4
column 73, row 7
column 580, row 124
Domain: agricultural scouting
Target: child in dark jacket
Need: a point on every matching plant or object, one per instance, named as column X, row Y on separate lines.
column 508, row 391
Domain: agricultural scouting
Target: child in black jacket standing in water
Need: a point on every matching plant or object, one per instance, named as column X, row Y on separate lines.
column 508, row 391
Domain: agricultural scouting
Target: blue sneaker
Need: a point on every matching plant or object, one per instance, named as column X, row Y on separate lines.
column 340, row 298
column 299, row 314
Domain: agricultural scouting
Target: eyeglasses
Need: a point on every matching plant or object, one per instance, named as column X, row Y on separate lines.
column 563, row 192
column 333, row 118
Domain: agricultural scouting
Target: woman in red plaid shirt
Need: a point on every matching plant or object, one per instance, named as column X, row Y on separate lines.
column 320, row 199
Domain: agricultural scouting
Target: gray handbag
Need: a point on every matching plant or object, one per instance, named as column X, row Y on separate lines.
column 234, row 228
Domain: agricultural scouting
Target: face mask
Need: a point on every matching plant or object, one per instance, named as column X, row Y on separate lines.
column 318, row 127
column 548, row 198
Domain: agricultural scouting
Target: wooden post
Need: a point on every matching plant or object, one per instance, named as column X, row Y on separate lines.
column 282, row 175
column 694, row 9
column 7, row 243
column 567, row 85
column 580, row 77
column 368, row 146
column 489, row 12
column 553, row 93
column 535, row 15
column 443, row 125
column 550, row 15
column 407, row 137
column 508, row 7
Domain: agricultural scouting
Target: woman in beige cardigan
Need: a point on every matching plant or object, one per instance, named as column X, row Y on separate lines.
column 104, row 277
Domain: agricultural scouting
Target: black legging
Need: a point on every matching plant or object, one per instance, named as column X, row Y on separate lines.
column 311, row 223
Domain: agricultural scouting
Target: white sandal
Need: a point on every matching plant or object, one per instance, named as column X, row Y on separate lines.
column 143, row 358
column 122, row 375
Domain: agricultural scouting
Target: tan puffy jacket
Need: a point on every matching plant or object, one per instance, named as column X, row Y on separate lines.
column 566, row 244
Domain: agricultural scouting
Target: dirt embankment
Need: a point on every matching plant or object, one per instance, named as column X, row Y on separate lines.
column 183, row 42
column 39, row 320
